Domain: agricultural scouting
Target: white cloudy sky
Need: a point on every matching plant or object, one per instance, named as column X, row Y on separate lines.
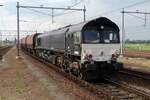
column 34, row 21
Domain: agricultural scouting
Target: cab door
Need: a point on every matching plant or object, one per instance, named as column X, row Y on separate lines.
column 73, row 41
column 68, row 40
column 77, row 43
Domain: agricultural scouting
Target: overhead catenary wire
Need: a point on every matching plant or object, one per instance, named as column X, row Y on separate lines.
column 82, row 1
column 37, row 11
column 118, row 9
column 72, row 9
column 56, row 15
column 141, row 18
column 70, row 6
column 77, row 3
column 137, row 3
column 50, row 14
column 145, row 18
column 137, row 12
column 136, row 16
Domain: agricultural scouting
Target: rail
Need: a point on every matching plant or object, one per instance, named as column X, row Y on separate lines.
column 3, row 50
column 117, row 90
column 90, row 87
column 130, row 89
column 138, row 74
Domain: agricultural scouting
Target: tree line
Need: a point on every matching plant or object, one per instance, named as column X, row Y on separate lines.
column 137, row 41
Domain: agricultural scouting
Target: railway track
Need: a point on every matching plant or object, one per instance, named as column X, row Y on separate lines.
column 145, row 76
column 112, row 90
column 138, row 80
column 3, row 50
column 123, row 91
column 90, row 87
column 117, row 93
column 135, row 83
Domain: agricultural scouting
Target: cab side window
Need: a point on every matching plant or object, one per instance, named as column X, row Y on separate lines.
column 77, row 37
column 39, row 41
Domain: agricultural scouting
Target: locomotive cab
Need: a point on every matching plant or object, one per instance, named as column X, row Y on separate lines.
column 100, row 48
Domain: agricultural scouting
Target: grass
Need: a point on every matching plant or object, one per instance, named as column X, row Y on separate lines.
column 140, row 47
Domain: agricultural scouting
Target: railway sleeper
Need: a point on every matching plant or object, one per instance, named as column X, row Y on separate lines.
column 129, row 96
column 122, row 94
column 118, row 93
column 108, row 87
column 111, row 87
column 115, row 90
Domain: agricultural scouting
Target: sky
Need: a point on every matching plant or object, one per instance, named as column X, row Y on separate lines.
column 39, row 20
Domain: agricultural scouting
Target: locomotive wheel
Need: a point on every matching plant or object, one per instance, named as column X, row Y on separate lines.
column 80, row 75
column 59, row 62
column 66, row 66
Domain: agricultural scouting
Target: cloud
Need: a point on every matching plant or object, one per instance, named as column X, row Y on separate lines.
column 94, row 8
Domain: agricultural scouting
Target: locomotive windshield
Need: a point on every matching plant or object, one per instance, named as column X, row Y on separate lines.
column 91, row 36
column 109, row 37
column 100, row 36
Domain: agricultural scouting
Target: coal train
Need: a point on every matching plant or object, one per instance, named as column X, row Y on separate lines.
column 88, row 50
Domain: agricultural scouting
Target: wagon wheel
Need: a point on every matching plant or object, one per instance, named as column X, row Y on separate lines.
column 59, row 62
column 81, row 75
column 56, row 61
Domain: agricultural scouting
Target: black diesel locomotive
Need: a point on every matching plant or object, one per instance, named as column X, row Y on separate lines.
column 88, row 50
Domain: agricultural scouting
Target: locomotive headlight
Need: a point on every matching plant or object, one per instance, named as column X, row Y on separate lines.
column 102, row 27
column 116, row 54
column 88, row 57
column 76, row 52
